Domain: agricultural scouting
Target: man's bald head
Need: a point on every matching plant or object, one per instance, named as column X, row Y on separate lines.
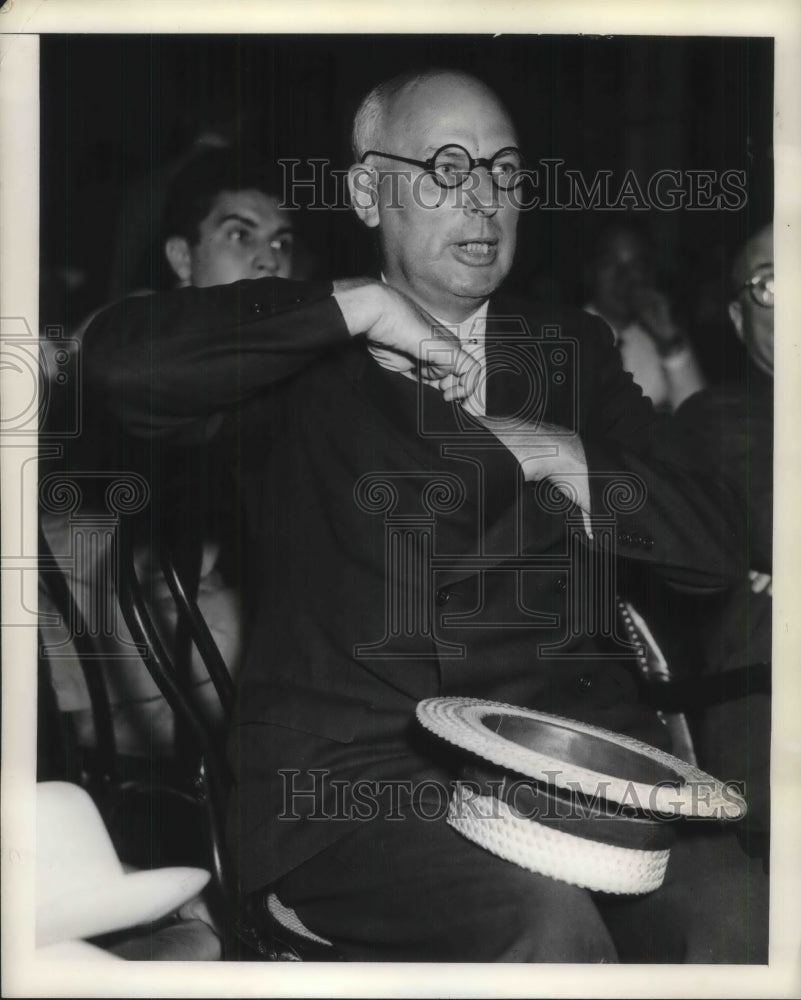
column 756, row 252
column 447, row 246
column 751, row 312
column 386, row 102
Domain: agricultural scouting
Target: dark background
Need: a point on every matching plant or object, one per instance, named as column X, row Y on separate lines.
column 118, row 110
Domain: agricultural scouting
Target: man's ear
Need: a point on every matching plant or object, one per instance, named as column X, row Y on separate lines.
column 176, row 250
column 363, row 187
column 736, row 316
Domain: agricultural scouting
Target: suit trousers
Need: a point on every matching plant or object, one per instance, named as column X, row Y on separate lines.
column 411, row 889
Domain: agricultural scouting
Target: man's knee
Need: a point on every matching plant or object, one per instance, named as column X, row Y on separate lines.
column 550, row 921
column 441, row 898
column 712, row 908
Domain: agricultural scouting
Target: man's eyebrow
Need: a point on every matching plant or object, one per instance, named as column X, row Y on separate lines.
column 235, row 217
column 283, row 230
column 429, row 151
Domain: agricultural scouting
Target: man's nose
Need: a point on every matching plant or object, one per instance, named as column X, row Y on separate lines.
column 480, row 193
column 266, row 260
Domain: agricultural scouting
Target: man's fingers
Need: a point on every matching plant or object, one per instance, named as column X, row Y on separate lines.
column 471, row 377
column 466, row 364
column 440, row 360
column 456, row 391
column 391, row 359
column 449, row 384
column 760, row 581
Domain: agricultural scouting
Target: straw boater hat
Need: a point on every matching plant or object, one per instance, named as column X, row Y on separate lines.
column 82, row 889
column 572, row 801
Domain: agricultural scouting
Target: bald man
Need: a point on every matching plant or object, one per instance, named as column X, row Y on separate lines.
column 367, row 452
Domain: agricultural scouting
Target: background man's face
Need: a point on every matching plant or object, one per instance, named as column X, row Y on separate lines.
column 754, row 323
column 245, row 235
column 622, row 271
column 439, row 255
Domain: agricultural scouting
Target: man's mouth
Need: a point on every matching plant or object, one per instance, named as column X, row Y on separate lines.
column 477, row 251
column 477, row 246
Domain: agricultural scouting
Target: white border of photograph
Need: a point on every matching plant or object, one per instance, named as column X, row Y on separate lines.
column 26, row 976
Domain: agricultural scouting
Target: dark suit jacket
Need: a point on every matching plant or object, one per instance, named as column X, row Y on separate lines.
column 730, row 429
column 395, row 553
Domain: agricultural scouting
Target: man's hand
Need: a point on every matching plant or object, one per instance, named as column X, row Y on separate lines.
column 405, row 337
column 544, row 451
column 653, row 311
column 760, row 581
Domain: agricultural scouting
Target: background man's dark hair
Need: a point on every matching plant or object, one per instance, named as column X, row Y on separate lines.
column 603, row 230
column 192, row 191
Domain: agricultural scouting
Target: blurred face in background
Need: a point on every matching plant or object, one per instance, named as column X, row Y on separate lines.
column 244, row 235
column 622, row 271
column 751, row 311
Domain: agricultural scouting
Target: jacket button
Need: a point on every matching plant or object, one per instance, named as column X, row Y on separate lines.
column 442, row 598
column 257, row 308
column 561, row 585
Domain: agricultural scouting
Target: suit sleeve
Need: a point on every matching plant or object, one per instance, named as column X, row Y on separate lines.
column 732, row 436
column 669, row 509
column 162, row 362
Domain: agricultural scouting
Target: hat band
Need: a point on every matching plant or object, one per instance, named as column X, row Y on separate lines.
column 596, row 819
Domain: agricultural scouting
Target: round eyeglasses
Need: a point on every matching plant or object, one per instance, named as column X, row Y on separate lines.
column 451, row 165
column 761, row 288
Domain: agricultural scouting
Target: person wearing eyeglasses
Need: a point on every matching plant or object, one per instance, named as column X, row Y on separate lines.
column 751, row 309
column 418, row 455
column 730, row 428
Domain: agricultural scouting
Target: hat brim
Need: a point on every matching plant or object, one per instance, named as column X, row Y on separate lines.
column 556, row 750
column 101, row 907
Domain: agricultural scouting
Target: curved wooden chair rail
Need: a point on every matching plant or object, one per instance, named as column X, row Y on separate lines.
column 267, row 936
